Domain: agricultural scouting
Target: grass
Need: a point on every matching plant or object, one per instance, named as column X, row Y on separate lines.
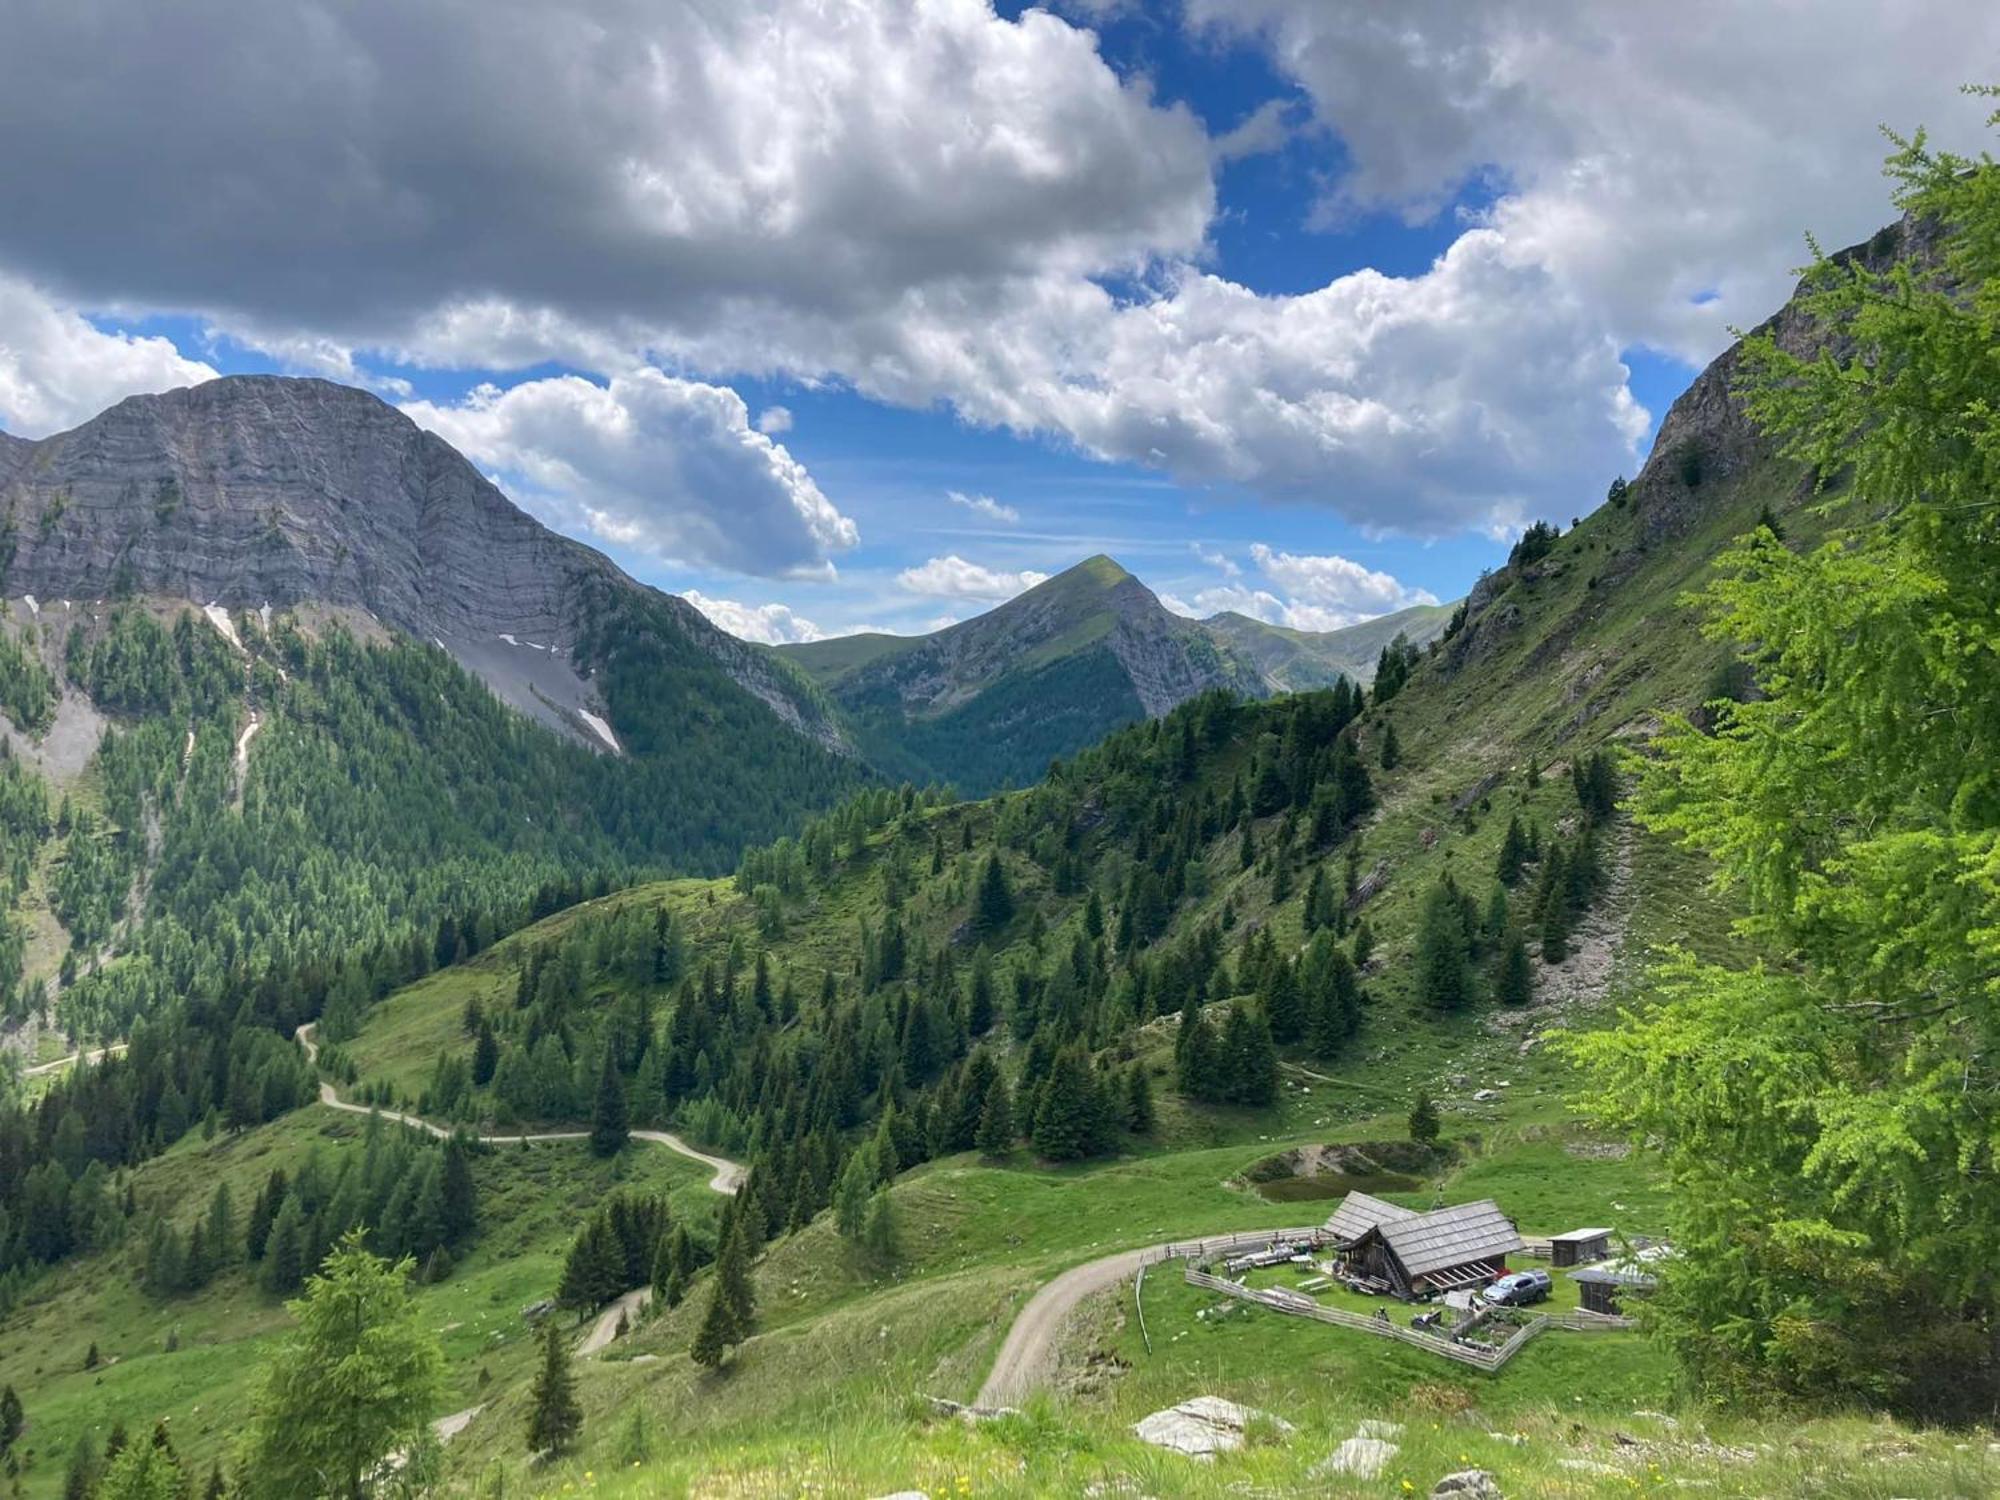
column 530, row 1204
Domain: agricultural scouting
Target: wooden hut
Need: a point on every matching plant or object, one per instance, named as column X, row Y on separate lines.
column 1417, row 1255
column 1601, row 1287
column 1579, row 1247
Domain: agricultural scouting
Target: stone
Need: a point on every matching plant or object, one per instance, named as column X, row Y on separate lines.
column 1203, row 1426
column 1467, row 1484
column 1360, row 1458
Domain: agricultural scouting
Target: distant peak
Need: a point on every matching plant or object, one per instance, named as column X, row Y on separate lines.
column 1100, row 569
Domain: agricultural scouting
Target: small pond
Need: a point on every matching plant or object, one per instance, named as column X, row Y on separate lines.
column 1335, row 1185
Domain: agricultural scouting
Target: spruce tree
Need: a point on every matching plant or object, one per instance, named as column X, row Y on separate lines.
column 1392, row 750
column 1444, row 972
column 996, row 1120
column 1513, row 977
column 1064, row 1125
column 555, row 1420
column 12, row 1419
column 1513, row 853
column 1424, row 1121
column 1140, row 1116
column 995, row 908
column 609, row 1127
column 880, row 1237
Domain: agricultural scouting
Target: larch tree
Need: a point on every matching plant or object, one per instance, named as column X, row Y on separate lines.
column 357, row 1379
column 1847, row 1084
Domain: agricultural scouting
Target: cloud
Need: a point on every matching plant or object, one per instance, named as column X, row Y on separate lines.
column 1337, row 584
column 985, row 505
column 58, row 369
column 666, row 466
column 588, row 168
column 929, row 203
column 1324, row 592
column 1220, row 561
column 953, row 577
column 767, row 624
column 773, row 420
column 1646, row 156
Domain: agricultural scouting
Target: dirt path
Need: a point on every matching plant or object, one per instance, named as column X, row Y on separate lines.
column 728, row 1175
column 605, row 1329
column 95, row 1055
column 1027, row 1356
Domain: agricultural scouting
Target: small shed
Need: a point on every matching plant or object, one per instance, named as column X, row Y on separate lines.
column 1601, row 1287
column 1418, row 1255
column 1579, row 1247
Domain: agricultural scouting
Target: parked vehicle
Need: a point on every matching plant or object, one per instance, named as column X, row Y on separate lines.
column 1520, row 1288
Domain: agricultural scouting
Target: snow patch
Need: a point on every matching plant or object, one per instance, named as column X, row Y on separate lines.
column 33, row 607
column 243, row 744
column 508, row 639
column 264, row 616
column 603, row 729
column 219, row 618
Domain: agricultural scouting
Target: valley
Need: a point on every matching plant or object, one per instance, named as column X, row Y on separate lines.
column 789, row 1047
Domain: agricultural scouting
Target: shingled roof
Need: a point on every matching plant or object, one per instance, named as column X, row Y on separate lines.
column 1448, row 1237
column 1358, row 1213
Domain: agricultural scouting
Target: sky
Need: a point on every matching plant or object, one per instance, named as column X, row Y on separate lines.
column 833, row 315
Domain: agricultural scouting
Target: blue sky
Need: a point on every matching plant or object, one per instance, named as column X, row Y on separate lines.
column 869, row 313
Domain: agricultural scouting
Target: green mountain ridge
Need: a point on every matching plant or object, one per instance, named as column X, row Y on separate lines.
column 990, row 701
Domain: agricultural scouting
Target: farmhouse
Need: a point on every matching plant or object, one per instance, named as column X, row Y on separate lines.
column 1410, row 1254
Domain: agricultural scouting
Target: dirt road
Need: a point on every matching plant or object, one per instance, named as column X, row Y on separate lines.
column 97, row 1055
column 728, row 1175
column 1027, row 1357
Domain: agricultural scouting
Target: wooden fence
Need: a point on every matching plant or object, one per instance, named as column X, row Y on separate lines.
column 1487, row 1357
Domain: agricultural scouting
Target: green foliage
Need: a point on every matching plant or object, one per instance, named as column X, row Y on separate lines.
column 358, row 1378
column 1424, row 1121
column 1846, row 1087
column 555, row 1416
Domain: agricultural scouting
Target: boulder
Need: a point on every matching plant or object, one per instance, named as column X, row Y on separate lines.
column 1203, row 1426
column 1360, row 1458
column 1467, row 1484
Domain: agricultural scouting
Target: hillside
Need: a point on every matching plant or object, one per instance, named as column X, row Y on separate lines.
column 1022, row 1033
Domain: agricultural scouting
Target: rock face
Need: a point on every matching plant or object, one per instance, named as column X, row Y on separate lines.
column 256, row 490
column 1706, row 435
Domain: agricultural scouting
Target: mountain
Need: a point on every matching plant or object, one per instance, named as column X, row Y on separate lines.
column 990, row 701
column 259, row 492
column 1297, row 661
column 993, row 699
column 1187, row 970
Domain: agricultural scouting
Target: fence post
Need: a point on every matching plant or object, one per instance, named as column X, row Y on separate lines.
column 1139, row 1304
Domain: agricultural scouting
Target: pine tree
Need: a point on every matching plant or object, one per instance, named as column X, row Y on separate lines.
column 219, row 1231
column 1139, row 1112
column 995, row 907
column 1513, row 853
column 1250, row 1062
column 1424, row 1121
column 880, row 1237
column 996, row 1120
column 12, row 1419
column 485, row 1055
column 1513, row 978
column 609, row 1127
column 1444, row 973
column 1064, row 1125
column 285, row 1265
column 681, row 1268
column 858, row 1181
column 460, row 1207
column 1392, row 750
column 555, row 1420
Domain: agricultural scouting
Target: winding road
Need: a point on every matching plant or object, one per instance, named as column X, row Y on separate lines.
column 1027, row 1356
column 728, row 1177
column 95, row 1055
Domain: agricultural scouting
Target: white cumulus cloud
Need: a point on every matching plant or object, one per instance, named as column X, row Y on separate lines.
column 668, row 466
column 767, row 624
column 57, row 368
column 952, row 577
column 985, row 505
column 773, row 420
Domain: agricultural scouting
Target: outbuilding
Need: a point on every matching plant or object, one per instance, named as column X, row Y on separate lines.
column 1579, row 1247
column 1601, row 1288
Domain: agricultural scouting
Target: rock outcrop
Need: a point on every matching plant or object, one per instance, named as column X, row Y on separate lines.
column 265, row 490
